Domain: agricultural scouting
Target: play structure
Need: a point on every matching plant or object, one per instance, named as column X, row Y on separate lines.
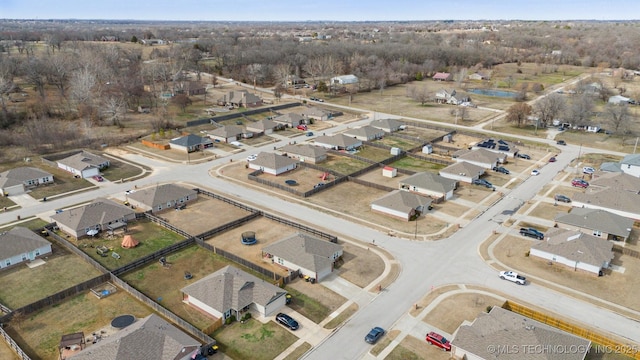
column 249, row 238
column 324, row 176
column 129, row 242
column 104, row 290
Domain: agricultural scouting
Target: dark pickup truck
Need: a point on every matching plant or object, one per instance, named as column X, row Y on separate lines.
column 531, row 232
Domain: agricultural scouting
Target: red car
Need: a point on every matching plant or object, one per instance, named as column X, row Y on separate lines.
column 439, row 341
column 553, row 159
column 579, row 183
column 302, row 127
column 98, row 178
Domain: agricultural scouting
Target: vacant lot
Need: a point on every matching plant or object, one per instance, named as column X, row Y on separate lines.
column 39, row 334
column 254, row 340
column 360, row 266
column 61, row 270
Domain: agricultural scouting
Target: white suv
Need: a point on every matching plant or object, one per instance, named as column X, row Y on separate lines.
column 513, row 277
column 588, row 170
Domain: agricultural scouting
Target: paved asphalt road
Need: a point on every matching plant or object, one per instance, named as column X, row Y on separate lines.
column 424, row 264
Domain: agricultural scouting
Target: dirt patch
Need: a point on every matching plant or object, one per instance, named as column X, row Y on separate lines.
column 452, row 311
column 549, row 211
column 432, row 295
column 412, row 348
column 359, row 266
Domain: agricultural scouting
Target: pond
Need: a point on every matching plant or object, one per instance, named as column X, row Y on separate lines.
column 491, row 92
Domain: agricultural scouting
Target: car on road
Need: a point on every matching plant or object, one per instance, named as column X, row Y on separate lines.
column 287, row 321
column 252, row 157
column 438, row 340
column 561, row 142
column 588, row 170
column 579, row 183
column 523, row 156
column 374, row 335
column 482, row 182
column 98, row 178
column 309, row 133
column 562, row 198
column 501, row 169
column 313, row 98
column 552, row 159
column 513, row 277
column 535, row 172
column 302, row 127
column 129, row 192
column 531, row 232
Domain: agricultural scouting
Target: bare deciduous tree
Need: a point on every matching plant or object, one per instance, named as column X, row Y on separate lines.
column 549, row 107
column 618, row 116
column 419, row 93
column 518, row 113
column 580, row 109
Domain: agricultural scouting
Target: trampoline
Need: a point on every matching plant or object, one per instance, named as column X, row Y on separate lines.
column 122, row 321
column 249, row 238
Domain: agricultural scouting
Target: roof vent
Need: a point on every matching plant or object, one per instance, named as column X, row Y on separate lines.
column 530, row 327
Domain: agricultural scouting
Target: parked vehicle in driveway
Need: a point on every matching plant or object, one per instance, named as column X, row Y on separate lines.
column 588, row 170
column 535, row 172
column 501, row 169
column 98, row 178
column 562, row 198
column 302, row 127
column 482, row 182
column 579, row 183
column 374, row 335
column 438, row 340
column 561, row 142
column 531, row 232
column 523, row 156
column 287, row 321
column 513, row 277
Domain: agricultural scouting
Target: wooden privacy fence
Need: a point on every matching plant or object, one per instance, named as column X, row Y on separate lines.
column 13, row 345
column 594, row 337
column 626, row 251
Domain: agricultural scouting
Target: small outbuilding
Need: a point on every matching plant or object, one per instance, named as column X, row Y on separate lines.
column 389, row 172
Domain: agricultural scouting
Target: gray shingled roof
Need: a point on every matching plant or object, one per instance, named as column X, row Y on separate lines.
column 292, row 119
column 272, row 161
column 616, row 180
column 190, row 140
column 430, row 181
column 365, row 131
column 481, row 155
column 19, row 240
column 402, row 201
column 227, row 131
column 386, row 124
column 83, row 160
column 597, row 219
column 505, row 328
column 161, row 194
column 339, row 140
column 99, row 211
column 306, row 150
column 314, row 111
column 305, row 250
column 232, row 288
column 631, row 159
column 19, row 175
column 577, row 246
column 264, row 124
column 464, row 168
column 148, row 338
column 610, row 198
column 611, row 167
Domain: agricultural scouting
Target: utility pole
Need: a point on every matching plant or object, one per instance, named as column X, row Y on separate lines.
column 635, row 146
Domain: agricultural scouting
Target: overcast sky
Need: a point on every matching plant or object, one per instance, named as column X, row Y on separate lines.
column 337, row 10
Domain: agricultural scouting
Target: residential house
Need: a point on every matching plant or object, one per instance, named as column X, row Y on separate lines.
column 344, row 80
column 338, row 142
column 463, row 171
column 226, row 133
column 273, row 164
column 151, row 337
column 83, row 164
column 305, row 153
column 100, row 215
column 290, row 120
column 444, row 96
column 365, row 133
column 152, row 42
column 401, row 204
column 429, row 184
column 482, row 157
column 19, row 245
column 388, row 125
column 190, row 88
column 231, row 292
column 497, row 146
column 442, row 76
column 190, row 143
column 630, row 164
column 477, row 340
column 18, row 180
column 478, row 76
column 315, row 114
column 240, row 98
column 620, row 181
column 309, row 255
column 619, row 202
column 574, row 249
column 264, row 126
column 596, row 222
column 292, row 80
column 618, row 100
column 162, row 197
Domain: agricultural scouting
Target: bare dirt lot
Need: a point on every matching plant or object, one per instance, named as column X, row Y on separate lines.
column 198, row 216
column 359, row 266
column 412, row 348
column 452, row 311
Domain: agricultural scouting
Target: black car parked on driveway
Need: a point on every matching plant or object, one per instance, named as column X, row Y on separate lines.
column 287, row 321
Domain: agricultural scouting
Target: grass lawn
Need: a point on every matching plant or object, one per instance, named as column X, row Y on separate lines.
column 343, row 164
column 5, row 202
column 39, row 334
column 120, row 170
column 63, row 182
column 297, row 353
column 33, row 224
column 60, row 271
column 373, row 153
column 342, row 316
column 307, row 306
column 254, row 340
column 151, row 237
column 399, row 142
column 409, row 163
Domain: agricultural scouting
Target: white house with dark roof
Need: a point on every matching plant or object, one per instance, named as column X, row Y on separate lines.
column 463, row 171
column 190, row 143
column 231, row 292
column 162, row 197
column 482, row 157
column 20, row 245
column 226, row 134
column 264, row 126
column 338, row 142
column 388, row 125
column 498, row 146
column 305, row 153
column 630, row 164
column 273, row 164
column 575, row 250
column 149, row 338
column 290, row 120
column 101, row 215
column 429, row 184
column 365, row 133
column 83, row 164
column 315, row 114
column 313, row 257
column 401, row 204
column 18, row 180
column 344, row 80
column 596, row 222
column 511, row 331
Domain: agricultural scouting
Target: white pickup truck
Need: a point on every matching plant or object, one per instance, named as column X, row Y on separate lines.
column 513, row 277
